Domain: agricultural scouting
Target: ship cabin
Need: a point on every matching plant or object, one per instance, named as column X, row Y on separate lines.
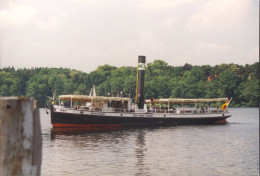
column 94, row 103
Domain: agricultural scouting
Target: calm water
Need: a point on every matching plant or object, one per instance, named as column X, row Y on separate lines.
column 231, row 149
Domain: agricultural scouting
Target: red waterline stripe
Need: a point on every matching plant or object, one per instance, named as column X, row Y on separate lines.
column 59, row 125
column 221, row 121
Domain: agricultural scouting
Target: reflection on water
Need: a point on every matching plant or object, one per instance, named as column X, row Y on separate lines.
column 119, row 148
column 81, row 131
column 231, row 149
column 140, row 154
column 81, row 137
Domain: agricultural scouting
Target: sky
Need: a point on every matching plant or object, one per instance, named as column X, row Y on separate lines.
column 84, row 34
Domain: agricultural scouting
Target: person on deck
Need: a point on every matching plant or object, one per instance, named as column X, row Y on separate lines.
column 174, row 110
column 153, row 109
column 202, row 109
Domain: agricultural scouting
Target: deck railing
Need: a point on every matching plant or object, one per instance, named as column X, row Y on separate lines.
column 164, row 111
column 183, row 111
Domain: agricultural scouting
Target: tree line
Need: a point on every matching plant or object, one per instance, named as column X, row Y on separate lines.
column 161, row 81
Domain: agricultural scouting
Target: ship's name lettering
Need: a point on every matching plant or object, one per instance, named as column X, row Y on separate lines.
column 142, row 115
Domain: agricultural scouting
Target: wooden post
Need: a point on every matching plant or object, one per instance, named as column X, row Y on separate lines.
column 20, row 137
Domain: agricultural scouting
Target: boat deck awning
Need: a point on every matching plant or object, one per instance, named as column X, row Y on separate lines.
column 181, row 100
column 86, row 98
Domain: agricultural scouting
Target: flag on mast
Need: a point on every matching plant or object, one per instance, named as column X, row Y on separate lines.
column 225, row 105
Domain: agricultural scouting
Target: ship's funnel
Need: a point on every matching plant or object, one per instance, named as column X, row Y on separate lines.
column 139, row 99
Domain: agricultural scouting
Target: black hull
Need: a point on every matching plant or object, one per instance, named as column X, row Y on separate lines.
column 61, row 119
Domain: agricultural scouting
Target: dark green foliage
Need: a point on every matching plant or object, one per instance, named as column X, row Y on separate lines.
column 161, row 81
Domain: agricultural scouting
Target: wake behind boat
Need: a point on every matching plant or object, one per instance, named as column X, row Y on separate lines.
column 118, row 110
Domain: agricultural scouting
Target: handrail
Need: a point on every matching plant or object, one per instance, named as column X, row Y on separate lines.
column 178, row 111
column 219, row 111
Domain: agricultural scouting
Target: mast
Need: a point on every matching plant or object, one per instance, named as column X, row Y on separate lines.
column 139, row 99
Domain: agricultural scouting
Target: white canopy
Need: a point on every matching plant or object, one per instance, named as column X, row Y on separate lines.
column 89, row 98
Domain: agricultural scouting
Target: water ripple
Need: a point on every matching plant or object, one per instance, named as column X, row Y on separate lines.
column 231, row 149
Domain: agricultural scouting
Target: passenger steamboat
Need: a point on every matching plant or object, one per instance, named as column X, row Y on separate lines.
column 117, row 109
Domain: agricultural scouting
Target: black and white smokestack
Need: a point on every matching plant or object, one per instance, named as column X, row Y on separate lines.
column 140, row 82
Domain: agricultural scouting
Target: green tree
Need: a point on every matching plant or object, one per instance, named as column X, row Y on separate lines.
column 191, row 84
column 211, row 89
column 104, row 88
column 161, row 81
column 130, row 85
column 228, row 81
column 4, row 91
column 248, row 93
column 37, row 87
column 39, row 92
